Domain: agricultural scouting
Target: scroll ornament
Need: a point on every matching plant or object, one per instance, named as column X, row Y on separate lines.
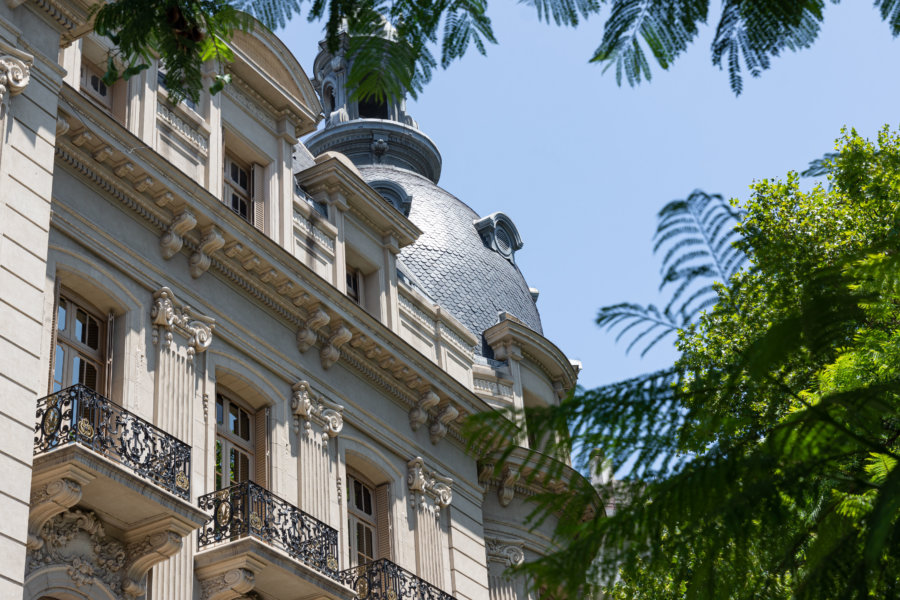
column 169, row 316
column 423, row 482
column 315, row 409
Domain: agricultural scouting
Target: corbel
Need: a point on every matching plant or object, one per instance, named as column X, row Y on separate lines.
column 164, row 199
column 141, row 557
column 124, row 170
column 82, row 138
column 418, row 415
column 232, row 584
column 102, row 154
column 507, row 488
column 211, row 241
column 143, row 184
column 440, row 426
column 306, row 335
column 330, row 352
column 172, row 240
column 50, row 500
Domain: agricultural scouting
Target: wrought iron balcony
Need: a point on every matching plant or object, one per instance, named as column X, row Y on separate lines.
column 79, row 415
column 247, row 509
column 384, row 580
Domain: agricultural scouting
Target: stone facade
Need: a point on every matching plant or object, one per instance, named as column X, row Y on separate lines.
column 220, row 378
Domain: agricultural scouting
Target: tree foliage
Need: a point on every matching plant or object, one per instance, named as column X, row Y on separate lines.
column 763, row 465
column 393, row 44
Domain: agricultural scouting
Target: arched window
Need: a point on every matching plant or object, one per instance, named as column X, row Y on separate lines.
column 372, row 108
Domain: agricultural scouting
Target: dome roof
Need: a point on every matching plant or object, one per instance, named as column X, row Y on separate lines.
column 451, row 262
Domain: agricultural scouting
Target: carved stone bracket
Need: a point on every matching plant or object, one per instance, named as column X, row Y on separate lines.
column 508, row 552
column 211, row 241
column 330, row 352
column 172, row 240
column 306, row 335
column 228, row 586
column 418, row 415
column 315, row 409
column 48, row 501
column 440, row 426
column 424, row 482
column 507, row 488
column 169, row 315
column 15, row 72
column 142, row 555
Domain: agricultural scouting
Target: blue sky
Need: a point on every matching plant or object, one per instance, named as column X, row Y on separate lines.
column 582, row 165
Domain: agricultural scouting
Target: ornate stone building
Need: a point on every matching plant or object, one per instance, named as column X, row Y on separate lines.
column 235, row 365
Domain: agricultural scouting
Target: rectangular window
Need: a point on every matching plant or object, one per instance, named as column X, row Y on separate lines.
column 234, row 443
column 238, row 186
column 78, row 354
column 92, row 84
column 361, row 524
column 354, row 284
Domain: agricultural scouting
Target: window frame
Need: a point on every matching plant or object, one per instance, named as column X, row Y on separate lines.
column 227, row 440
column 233, row 187
column 358, row 517
column 67, row 347
column 88, row 70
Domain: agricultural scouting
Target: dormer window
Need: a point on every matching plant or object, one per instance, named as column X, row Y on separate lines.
column 237, row 187
column 372, row 108
column 394, row 195
column 499, row 234
column 163, row 85
column 92, row 83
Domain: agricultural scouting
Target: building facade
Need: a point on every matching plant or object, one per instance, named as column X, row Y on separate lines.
column 235, row 365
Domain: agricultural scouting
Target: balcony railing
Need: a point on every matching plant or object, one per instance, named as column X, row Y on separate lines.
column 79, row 415
column 247, row 509
column 384, row 580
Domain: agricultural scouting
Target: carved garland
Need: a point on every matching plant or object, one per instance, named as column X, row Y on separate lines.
column 170, row 315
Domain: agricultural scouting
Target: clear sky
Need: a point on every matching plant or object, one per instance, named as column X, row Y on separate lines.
column 582, row 165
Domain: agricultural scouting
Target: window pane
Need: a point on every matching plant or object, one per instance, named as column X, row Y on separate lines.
column 220, row 410
column 368, row 539
column 232, row 466
column 80, row 326
column 232, row 418
column 245, row 425
column 367, row 501
column 219, row 485
column 93, row 334
column 61, row 315
column 243, row 467
column 88, row 375
column 357, row 494
column 58, row 365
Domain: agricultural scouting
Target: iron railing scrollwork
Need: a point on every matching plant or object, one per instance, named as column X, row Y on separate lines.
column 79, row 415
column 384, row 580
column 247, row 509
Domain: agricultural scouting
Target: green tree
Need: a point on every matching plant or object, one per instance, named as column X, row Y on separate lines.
column 763, row 464
column 186, row 33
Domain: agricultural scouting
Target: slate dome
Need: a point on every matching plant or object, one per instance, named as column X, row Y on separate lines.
column 450, row 261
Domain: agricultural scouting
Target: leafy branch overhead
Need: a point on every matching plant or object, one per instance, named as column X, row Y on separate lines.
column 697, row 235
column 393, row 44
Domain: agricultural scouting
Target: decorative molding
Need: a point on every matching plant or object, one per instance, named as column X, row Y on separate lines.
column 419, row 413
column 172, row 240
column 456, row 339
column 493, row 388
column 306, row 335
column 330, row 352
column 185, row 130
column 228, row 585
column 170, row 315
column 506, row 491
column 508, row 552
column 50, row 500
column 211, row 241
column 302, row 223
column 315, row 409
column 424, row 482
column 15, row 72
column 77, row 540
column 439, row 428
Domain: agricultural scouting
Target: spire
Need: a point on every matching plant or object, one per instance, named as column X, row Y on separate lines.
column 368, row 132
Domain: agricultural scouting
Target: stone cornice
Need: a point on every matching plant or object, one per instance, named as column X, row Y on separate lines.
column 72, row 18
column 511, row 339
column 334, row 173
column 118, row 164
column 516, row 476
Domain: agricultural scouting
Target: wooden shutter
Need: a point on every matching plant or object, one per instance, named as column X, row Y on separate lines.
column 383, row 521
column 258, row 197
column 260, row 451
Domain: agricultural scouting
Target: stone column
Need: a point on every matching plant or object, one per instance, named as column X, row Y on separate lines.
column 316, row 422
column 179, row 335
column 429, row 494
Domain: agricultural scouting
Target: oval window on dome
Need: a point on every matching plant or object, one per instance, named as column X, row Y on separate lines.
column 504, row 243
